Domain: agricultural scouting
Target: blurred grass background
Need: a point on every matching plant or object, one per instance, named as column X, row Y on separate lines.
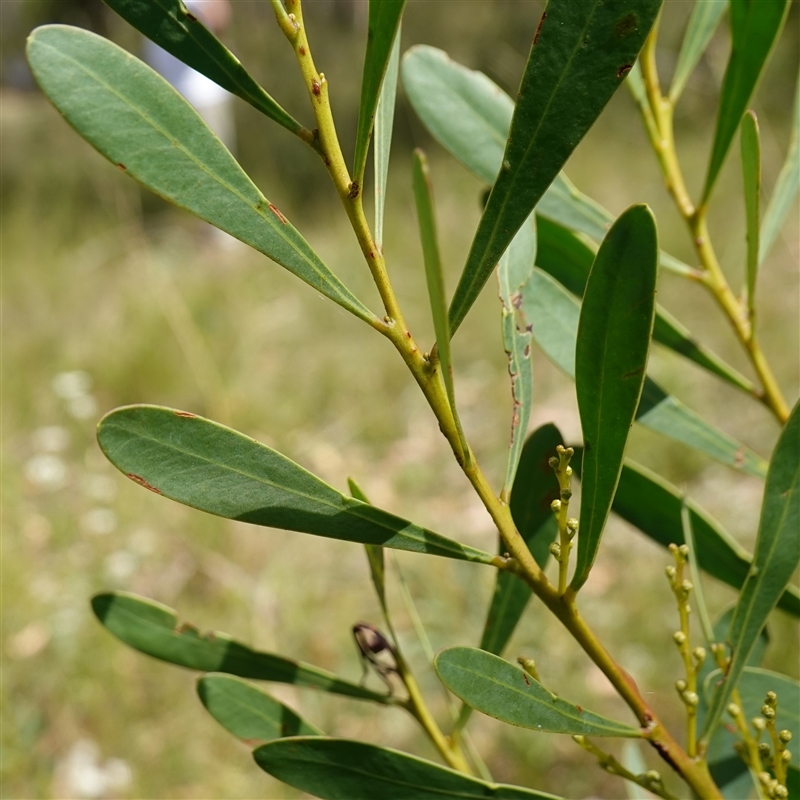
column 110, row 298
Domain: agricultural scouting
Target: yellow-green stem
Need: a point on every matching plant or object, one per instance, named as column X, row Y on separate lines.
column 450, row 751
column 660, row 129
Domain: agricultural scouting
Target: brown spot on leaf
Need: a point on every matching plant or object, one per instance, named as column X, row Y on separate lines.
column 624, row 70
column 191, row 17
column 186, row 627
column 527, row 682
column 738, row 457
column 184, row 414
column 626, row 26
column 315, row 88
column 142, row 482
column 539, row 28
column 277, row 213
column 122, row 167
column 354, row 190
column 302, row 50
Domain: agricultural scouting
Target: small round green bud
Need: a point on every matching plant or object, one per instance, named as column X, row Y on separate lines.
column 569, row 452
column 679, row 637
column 673, row 548
column 555, row 506
column 691, row 699
column 684, row 550
column 763, row 750
column 785, row 736
column 670, row 572
column 555, row 550
column 759, row 723
column 771, row 699
column 764, row 778
column 568, row 472
column 680, row 685
column 687, row 586
column 579, row 739
column 572, row 524
column 566, row 494
column 734, row 710
column 699, row 654
column 780, row 792
column 768, row 712
column 653, row 776
column 786, row 756
column 553, row 462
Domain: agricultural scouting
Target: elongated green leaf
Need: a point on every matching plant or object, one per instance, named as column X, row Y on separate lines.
column 610, row 362
column 751, row 171
column 554, row 314
column 384, row 23
column 535, row 488
column 423, row 196
column 702, row 24
column 426, row 216
column 152, row 628
column 205, row 465
column 653, row 505
column 581, row 53
column 754, row 29
column 514, row 276
column 786, row 187
column 754, row 683
column 171, row 26
column 699, row 595
column 568, row 257
column 470, row 116
column 140, row 123
column 384, row 125
column 776, row 558
column 248, row 712
column 496, row 688
column 377, row 564
column 341, row 769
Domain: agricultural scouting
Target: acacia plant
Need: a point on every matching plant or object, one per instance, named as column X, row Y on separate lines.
column 574, row 281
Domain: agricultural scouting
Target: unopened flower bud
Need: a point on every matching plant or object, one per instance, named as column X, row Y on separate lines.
column 687, row 586
column 679, row 637
column 569, row 452
column 780, row 792
column 764, row 778
column 763, row 750
column 771, row 699
column 653, row 776
column 670, row 572
column 553, row 462
column 673, row 548
column 566, row 494
column 684, row 550
column 680, row 685
column 555, row 550
column 699, row 654
column 768, row 712
column 572, row 524
column 785, row 736
column 734, row 709
column 579, row 739
column 691, row 699
column 759, row 723
column 555, row 506
column 786, row 755
column 568, row 472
